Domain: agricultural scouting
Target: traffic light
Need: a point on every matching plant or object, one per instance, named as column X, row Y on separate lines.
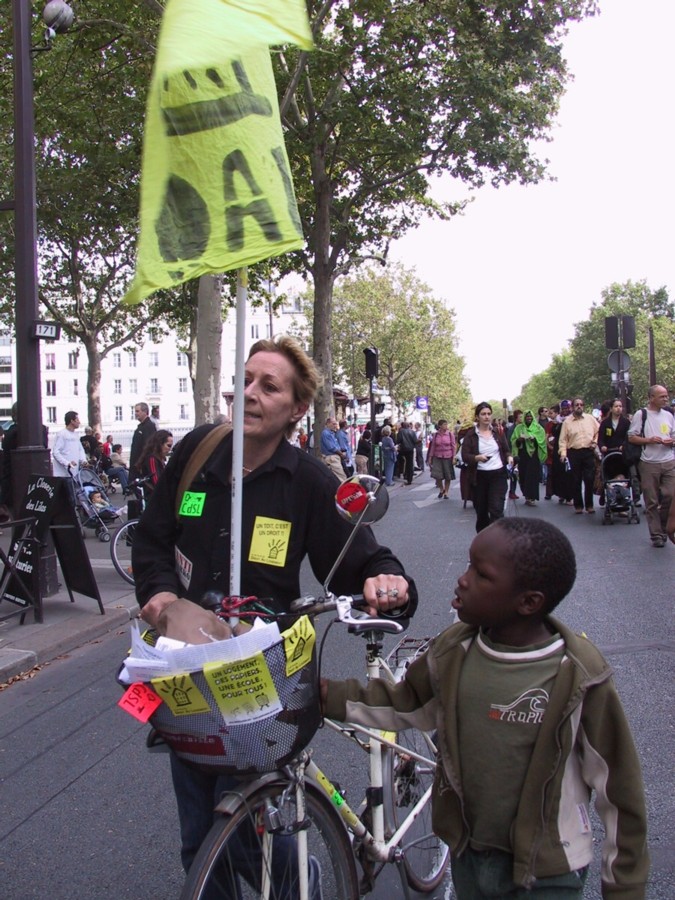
column 628, row 331
column 612, row 332
column 372, row 365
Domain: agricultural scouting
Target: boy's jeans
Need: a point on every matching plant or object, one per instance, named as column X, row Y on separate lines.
column 483, row 874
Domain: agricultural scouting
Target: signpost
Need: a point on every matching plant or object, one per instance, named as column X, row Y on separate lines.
column 47, row 502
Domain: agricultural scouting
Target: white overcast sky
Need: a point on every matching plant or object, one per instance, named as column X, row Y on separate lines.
column 525, row 263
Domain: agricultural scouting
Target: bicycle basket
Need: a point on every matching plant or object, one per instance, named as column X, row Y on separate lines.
column 249, row 716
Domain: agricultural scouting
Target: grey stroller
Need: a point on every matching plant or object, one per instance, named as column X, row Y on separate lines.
column 95, row 517
column 618, row 487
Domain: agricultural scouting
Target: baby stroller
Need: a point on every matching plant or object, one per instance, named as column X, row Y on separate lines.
column 618, row 487
column 97, row 517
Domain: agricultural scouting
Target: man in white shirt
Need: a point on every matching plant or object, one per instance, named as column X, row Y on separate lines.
column 657, row 463
column 68, row 450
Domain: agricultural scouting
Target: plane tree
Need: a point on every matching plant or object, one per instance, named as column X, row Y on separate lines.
column 396, row 94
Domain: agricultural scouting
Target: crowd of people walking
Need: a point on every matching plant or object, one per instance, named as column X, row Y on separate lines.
column 557, row 452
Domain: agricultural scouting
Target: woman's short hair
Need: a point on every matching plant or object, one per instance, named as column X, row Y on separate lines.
column 307, row 378
column 386, row 431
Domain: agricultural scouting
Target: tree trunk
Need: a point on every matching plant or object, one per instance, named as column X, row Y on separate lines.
column 93, row 384
column 323, row 272
column 209, row 347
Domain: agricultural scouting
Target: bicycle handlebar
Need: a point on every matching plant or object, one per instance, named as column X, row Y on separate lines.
column 348, row 612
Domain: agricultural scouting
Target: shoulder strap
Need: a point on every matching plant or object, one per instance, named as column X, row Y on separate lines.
column 644, row 419
column 199, row 456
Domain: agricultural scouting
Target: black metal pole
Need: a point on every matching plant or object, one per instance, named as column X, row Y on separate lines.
column 31, row 456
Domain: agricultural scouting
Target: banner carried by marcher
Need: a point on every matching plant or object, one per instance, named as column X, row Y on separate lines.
column 216, row 187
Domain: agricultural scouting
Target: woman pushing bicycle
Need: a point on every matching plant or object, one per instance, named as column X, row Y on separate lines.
column 288, row 513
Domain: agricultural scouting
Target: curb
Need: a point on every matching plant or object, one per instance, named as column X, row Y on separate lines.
column 62, row 638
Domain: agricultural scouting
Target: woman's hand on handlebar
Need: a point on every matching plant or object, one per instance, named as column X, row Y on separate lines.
column 384, row 593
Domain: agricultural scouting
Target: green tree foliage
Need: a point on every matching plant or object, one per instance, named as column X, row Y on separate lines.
column 89, row 106
column 414, row 332
column 397, row 93
column 582, row 370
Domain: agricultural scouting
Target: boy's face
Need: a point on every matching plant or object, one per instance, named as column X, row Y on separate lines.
column 485, row 595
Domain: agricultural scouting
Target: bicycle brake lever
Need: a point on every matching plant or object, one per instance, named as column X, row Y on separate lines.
column 359, row 621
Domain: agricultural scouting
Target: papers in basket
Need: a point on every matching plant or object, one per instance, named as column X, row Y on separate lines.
column 168, row 657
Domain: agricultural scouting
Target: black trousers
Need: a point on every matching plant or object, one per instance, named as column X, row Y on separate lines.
column 582, row 464
column 489, row 494
column 408, row 464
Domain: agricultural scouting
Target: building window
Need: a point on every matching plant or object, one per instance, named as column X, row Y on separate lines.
column 132, row 359
column 154, row 385
column 183, row 411
column 5, row 363
column 132, row 413
column 117, row 386
column 51, row 415
column 72, row 359
column 182, row 385
column 50, row 360
column 5, row 390
column 76, row 387
column 181, row 359
column 153, row 358
column 117, row 360
column 118, row 414
column 254, row 332
column 51, row 388
column 133, row 385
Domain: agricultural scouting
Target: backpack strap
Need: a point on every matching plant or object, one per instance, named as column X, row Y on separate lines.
column 644, row 419
column 199, row 456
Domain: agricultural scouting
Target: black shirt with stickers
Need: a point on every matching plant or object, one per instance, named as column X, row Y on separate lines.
column 288, row 513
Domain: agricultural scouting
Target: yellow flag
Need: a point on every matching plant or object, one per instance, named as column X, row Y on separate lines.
column 216, row 188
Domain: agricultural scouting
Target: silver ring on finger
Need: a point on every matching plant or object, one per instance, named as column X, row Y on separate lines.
column 393, row 593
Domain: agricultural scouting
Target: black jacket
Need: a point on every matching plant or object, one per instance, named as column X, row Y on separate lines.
column 288, row 513
column 145, row 429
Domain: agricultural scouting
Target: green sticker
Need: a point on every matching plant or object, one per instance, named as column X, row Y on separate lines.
column 192, row 503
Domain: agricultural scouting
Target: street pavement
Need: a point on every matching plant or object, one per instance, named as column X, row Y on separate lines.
column 79, row 756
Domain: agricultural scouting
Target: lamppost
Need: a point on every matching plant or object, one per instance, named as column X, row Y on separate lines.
column 30, row 456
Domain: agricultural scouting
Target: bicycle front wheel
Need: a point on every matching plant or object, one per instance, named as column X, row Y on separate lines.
column 120, row 550
column 245, row 857
column 425, row 856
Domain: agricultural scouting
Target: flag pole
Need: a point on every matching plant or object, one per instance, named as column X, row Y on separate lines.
column 238, row 436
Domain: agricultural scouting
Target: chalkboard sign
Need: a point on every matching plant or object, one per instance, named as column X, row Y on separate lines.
column 48, row 500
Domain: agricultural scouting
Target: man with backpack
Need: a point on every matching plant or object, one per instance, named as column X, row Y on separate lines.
column 655, row 434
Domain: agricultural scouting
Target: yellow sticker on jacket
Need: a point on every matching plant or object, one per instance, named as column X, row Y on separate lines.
column 243, row 690
column 298, row 645
column 181, row 695
column 269, row 541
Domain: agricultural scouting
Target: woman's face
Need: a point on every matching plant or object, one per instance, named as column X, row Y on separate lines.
column 528, row 420
column 442, row 426
column 269, row 400
column 617, row 408
column 166, row 447
column 485, row 416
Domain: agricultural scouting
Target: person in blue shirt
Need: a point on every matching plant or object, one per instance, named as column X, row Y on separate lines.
column 331, row 453
column 344, row 443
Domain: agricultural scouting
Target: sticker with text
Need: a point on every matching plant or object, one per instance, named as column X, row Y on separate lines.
column 139, row 701
column 181, row 695
column 269, row 542
column 298, row 645
column 192, row 504
column 243, row 690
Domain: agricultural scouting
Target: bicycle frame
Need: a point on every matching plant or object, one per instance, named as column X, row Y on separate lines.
column 377, row 846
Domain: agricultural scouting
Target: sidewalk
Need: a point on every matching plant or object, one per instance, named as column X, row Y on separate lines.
column 66, row 626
